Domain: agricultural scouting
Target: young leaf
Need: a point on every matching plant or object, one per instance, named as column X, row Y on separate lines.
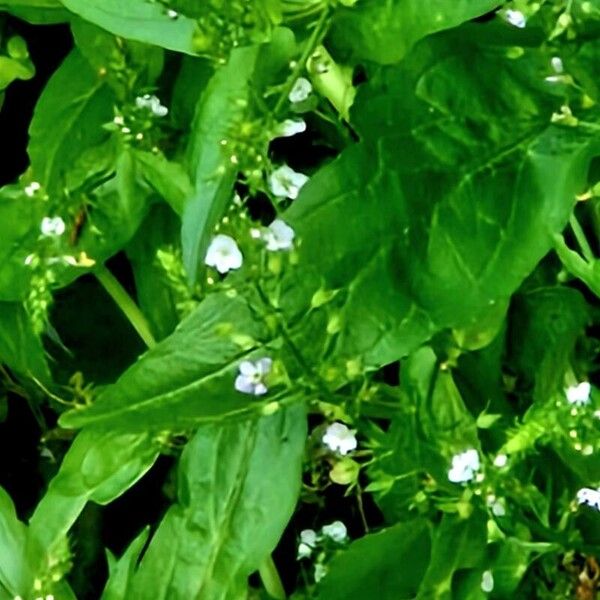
column 221, row 106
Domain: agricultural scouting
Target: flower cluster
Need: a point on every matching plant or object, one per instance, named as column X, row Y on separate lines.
column 464, row 466
column 335, row 534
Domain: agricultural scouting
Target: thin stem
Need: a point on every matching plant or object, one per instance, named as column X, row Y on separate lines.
column 313, row 42
column 129, row 308
column 271, row 580
column 581, row 239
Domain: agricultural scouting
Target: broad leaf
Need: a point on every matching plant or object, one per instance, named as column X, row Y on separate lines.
column 385, row 31
column 138, row 20
column 99, row 466
column 390, row 564
column 188, row 377
column 453, row 197
column 68, row 119
column 230, row 512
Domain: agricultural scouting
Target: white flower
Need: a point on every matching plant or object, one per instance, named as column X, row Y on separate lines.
column 279, row 236
column 557, row 65
column 335, row 531
column 251, row 377
column 172, row 14
column 589, row 497
column 339, row 438
column 52, row 226
column 516, row 18
column 579, row 394
column 223, row 254
column 320, row 572
column 500, row 461
column 301, row 90
column 497, row 505
column 32, row 189
column 286, row 183
column 487, row 581
column 308, row 541
column 464, row 466
column 290, row 127
column 151, row 103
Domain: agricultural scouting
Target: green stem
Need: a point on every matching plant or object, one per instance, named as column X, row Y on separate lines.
column 129, row 308
column 271, row 580
column 581, row 239
column 313, row 42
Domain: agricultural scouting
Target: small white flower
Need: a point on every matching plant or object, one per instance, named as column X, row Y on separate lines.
column 516, row 18
column 32, row 189
column 52, row 226
column 301, row 90
column 335, row 531
column 151, row 103
column 579, row 395
column 320, row 572
column 500, row 461
column 286, row 183
column 172, row 14
column 251, row 377
column 279, row 236
column 224, row 254
column 339, row 438
column 487, row 581
column 590, row 497
column 557, row 65
column 497, row 505
column 464, row 466
column 308, row 541
column 290, row 127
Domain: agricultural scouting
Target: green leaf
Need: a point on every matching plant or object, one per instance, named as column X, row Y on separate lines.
column 121, row 571
column 13, row 535
column 458, row 544
column 20, row 219
column 188, row 377
column 230, row 512
column 224, row 107
column 99, row 466
column 156, row 297
column 111, row 55
column 68, row 119
column 138, row 20
column 38, row 12
column 454, row 197
column 384, row 32
column 393, row 562
column 20, row 348
column 221, row 106
column 547, row 321
column 168, row 178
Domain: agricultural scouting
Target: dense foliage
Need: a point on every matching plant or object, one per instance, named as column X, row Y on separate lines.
column 319, row 278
